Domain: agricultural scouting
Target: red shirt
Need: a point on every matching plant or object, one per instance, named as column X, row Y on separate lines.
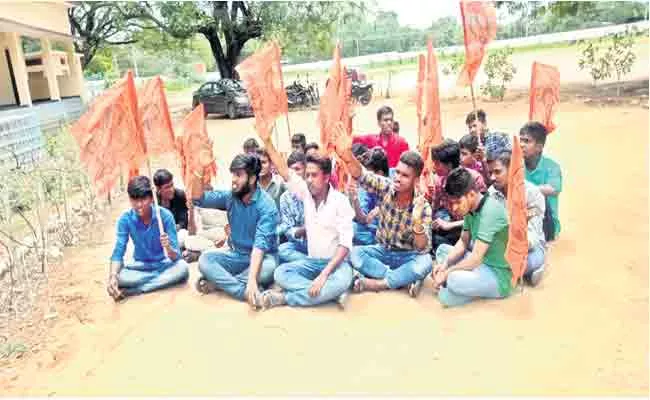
column 394, row 146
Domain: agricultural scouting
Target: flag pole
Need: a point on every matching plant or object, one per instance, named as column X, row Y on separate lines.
column 155, row 202
column 288, row 126
column 471, row 89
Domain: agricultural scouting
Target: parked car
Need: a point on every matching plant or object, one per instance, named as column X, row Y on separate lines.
column 225, row 96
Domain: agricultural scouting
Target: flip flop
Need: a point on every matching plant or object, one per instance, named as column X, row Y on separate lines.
column 357, row 285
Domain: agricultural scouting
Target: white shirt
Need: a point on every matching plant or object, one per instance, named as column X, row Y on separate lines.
column 329, row 225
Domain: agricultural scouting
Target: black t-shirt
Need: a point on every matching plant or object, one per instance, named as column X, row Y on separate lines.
column 178, row 207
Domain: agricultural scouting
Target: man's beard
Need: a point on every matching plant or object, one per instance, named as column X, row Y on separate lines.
column 243, row 191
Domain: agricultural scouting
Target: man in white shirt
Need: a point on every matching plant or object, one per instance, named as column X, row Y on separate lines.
column 324, row 274
column 536, row 207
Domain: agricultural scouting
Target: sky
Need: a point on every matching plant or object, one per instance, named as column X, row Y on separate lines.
column 420, row 13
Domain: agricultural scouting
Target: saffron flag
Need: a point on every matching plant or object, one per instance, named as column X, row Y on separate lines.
column 156, row 122
column 517, row 248
column 479, row 28
column 194, row 148
column 429, row 125
column 109, row 135
column 262, row 76
column 335, row 103
column 544, row 94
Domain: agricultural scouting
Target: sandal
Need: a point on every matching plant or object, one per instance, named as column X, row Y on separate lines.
column 358, row 285
column 204, row 286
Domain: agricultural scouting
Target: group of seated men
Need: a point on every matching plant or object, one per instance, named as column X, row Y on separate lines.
column 296, row 236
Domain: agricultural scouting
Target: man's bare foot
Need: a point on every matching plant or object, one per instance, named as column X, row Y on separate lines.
column 204, row 286
column 375, row 285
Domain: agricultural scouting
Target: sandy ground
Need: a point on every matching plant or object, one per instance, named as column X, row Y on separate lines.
column 584, row 330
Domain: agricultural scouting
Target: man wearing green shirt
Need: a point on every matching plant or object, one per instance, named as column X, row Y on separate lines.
column 543, row 172
column 476, row 266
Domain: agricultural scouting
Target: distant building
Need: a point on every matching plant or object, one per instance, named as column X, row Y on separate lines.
column 37, row 89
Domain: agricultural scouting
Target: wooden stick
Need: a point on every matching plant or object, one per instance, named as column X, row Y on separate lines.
column 155, row 202
column 471, row 88
column 288, row 127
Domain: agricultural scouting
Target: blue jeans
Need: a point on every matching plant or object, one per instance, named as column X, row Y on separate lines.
column 464, row 286
column 297, row 277
column 292, row 251
column 398, row 268
column 229, row 270
column 362, row 235
column 535, row 260
column 137, row 277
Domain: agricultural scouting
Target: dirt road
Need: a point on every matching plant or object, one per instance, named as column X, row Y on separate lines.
column 584, row 330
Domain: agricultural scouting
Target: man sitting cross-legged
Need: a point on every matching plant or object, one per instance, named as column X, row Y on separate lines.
column 400, row 258
column 475, row 267
column 535, row 206
column 324, row 274
column 151, row 269
column 252, row 216
column 292, row 216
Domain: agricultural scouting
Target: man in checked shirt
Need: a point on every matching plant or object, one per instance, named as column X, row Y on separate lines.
column 400, row 258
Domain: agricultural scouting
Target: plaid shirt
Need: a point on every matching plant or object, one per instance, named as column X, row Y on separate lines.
column 395, row 227
column 495, row 142
column 292, row 216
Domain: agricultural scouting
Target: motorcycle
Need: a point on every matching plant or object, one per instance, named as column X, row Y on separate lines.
column 299, row 95
column 362, row 92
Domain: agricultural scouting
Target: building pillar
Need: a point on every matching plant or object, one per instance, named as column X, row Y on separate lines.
column 50, row 69
column 76, row 74
column 15, row 46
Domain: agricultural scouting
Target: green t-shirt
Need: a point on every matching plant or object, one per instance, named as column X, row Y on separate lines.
column 489, row 224
column 548, row 172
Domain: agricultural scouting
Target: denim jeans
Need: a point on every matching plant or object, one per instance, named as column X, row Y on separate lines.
column 292, row 251
column 464, row 286
column 398, row 268
column 137, row 277
column 535, row 261
column 362, row 235
column 229, row 270
column 297, row 277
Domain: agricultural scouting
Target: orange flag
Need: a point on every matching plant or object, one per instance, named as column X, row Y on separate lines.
column 544, row 94
column 262, row 76
column 194, row 149
column 156, row 122
column 517, row 249
column 110, row 135
column 479, row 28
column 429, row 127
column 335, row 103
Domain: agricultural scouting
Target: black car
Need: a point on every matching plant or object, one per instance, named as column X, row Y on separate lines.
column 225, row 96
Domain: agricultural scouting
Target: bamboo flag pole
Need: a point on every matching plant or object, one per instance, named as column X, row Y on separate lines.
column 155, row 202
column 288, row 127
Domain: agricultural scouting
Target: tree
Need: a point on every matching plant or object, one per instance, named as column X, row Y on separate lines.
column 100, row 24
column 228, row 26
column 499, row 70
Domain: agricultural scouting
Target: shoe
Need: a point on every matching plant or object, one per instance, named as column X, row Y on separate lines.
column 272, row 298
column 341, row 300
column 536, row 277
column 415, row 288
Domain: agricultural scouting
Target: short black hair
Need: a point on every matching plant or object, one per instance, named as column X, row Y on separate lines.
column 296, row 157
column 471, row 117
column 312, row 145
column 396, row 126
column 139, row 188
column 323, row 162
column 383, row 110
column 536, row 131
column 459, row 183
column 262, row 153
column 377, row 160
column 359, row 149
column 447, row 152
column 413, row 160
column 162, row 177
column 504, row 158
column 469, row 142
column 299, row 138
column 249, row 163
column 251, row 144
